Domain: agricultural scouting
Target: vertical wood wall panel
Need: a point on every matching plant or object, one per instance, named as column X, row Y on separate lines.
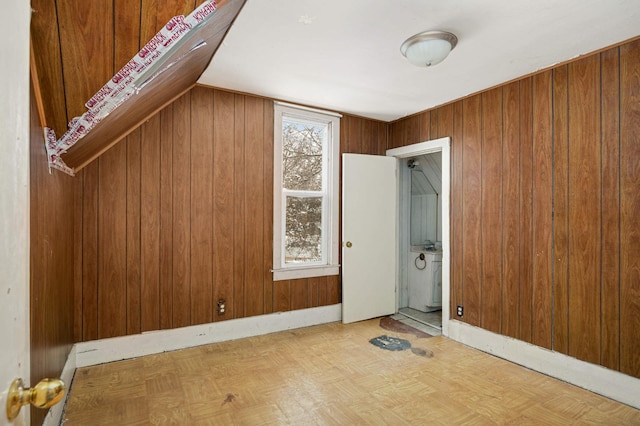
column 166, row 217
column 239, row 209
column 445, row 122
column 412, row 130
column 78, row 257
column 322, row 291
column 314, row 289
column 584, row 209
column 45, row 38
column 156, row 13
column 630, row 208
column 434, row 123
column 425, row 126
column 610, row 149
column 456, row 209
column 112, row 232
column 223, row 203
column 148, row 20
column 353, row 142
column 542, row 209
column 299, row 293
column 449, row 124
column 267, row 207
column 133, row 236
column 333, row 290
column 511, row 210
column 526, row 210
column 202, row 245
column 87, row 50
column 397, row 134
column 560, row 210
column 90, row 252
column 369, row 141
column 181, row 212
column 282, row 296
column 150, row 224
column 491, row 254
column 126, row 15
column 382, row 136
column 472, row 208
column 254, row 199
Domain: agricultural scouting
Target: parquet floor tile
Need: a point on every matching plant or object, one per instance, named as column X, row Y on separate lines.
column 330, row 375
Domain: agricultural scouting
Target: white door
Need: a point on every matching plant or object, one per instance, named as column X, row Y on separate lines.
column 369, row 206
column 14, row 201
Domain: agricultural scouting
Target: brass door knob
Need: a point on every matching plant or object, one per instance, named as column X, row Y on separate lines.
column 348, row 244
column 45, row 394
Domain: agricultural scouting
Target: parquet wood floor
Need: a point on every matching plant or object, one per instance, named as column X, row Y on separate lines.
column 330, row 375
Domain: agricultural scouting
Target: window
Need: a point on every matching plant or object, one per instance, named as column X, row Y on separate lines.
column 306, row 164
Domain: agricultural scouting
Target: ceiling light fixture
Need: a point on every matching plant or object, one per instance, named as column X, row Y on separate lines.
column 428, row 48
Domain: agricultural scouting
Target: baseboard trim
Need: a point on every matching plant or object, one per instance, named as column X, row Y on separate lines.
column 54, row 416
column 118, row 348
column 609, row 383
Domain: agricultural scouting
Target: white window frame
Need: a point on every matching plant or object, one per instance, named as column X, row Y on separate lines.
column 330, row 224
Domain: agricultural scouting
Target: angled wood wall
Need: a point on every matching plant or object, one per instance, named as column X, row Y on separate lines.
column 545, row 206
column 180, row 215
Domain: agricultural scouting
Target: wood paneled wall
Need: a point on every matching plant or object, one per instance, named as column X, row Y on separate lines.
column 180, row 215
column 51, row 264
column 166, row 228
column 545, row 206
column 545, row 201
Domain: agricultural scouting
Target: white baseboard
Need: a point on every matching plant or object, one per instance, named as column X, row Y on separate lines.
column 54, row 416
column 609, row 383
column 118, row 348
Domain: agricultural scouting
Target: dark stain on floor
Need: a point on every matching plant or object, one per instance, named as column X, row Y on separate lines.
column 422, row 352
column 390, row 343
column 390, row 324
column 397, row 344
column 229, row 399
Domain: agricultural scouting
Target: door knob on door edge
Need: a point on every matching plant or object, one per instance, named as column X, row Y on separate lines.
column 348, row 244
column 46, row 393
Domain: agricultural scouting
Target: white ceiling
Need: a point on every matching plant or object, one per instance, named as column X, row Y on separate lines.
column 344, row 55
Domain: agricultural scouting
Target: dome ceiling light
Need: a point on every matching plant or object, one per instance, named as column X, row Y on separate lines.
column 428, row 48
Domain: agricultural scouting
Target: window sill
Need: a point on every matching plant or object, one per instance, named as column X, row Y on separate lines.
column 305, row 272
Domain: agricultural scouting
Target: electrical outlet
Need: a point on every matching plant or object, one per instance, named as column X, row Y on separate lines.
column 460, row 311
column 222, row 305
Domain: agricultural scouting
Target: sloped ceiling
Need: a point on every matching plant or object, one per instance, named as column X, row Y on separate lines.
column 169, row 76
column 78, row 45
column 339, row 55
column 345, row 55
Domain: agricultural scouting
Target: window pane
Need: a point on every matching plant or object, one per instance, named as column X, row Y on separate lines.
column 302, row 154
column 303, row 233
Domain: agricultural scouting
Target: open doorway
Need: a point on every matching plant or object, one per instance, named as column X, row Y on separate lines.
column 423, row 249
